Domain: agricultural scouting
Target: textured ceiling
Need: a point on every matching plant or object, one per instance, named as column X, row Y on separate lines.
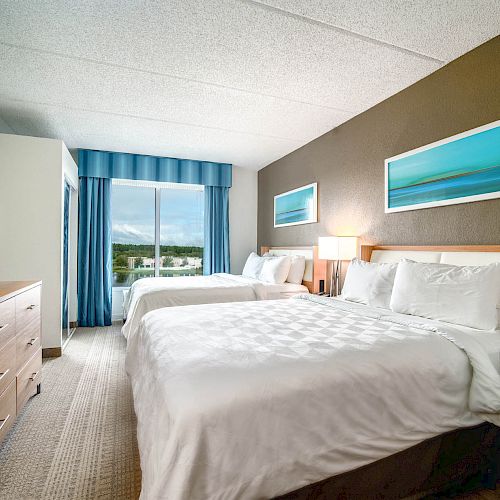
column 238, row 81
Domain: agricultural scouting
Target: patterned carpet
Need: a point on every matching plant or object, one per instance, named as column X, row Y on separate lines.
column 77, row 440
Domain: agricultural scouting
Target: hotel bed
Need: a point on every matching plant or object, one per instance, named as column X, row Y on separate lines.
column 259, row 399
column 148, row 294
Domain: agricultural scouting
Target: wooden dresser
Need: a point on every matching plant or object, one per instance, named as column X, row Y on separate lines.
column 20, row 348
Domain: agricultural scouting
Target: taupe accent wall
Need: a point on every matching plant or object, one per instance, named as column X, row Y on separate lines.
column 348, row 163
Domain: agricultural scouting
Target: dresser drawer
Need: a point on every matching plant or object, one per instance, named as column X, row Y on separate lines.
column 7, row 409
column 7, row 321
column 28, row 309
column 27, row 325
column 28, row 378
column 27, row 343
column 7, row 364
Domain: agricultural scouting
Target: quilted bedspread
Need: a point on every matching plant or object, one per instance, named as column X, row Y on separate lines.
column 255, row 399
column 148, row 294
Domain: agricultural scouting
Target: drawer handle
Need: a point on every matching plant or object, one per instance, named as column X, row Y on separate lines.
column 2, row 375
column 32, row 306
column 4, row 326
column 32, row 341
column 4, row 421
column 34, row 375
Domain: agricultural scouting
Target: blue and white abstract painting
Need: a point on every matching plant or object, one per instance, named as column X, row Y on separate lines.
column 298, row 206
column 460, row 169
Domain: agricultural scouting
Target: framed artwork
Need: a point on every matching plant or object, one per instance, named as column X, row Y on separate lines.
column 459, row 169
column 298, row 206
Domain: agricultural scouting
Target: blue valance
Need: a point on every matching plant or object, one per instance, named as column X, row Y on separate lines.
column 109, row 165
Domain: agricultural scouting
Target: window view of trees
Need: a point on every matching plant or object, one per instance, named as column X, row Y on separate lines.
column 131, row 262
column 180, row 224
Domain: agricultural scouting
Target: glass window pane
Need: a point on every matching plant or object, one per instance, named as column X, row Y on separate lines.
column 181, row 232
column 133, row 216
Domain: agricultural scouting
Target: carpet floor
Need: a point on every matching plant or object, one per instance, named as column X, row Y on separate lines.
column 77, row 440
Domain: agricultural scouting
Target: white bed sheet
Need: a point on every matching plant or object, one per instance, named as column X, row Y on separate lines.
column 148, row 294
column 256, row 399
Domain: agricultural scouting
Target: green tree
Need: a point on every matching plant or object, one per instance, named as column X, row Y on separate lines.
column 168, row 261
column 121, row 261
column 139, row 262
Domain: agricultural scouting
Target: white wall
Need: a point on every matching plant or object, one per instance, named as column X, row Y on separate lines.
column 31, row 201
column 242, row 217
column 117, row 304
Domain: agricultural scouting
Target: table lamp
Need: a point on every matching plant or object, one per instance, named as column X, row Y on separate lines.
column 337, row 248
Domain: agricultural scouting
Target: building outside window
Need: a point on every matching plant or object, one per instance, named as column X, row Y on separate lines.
column 157, row 230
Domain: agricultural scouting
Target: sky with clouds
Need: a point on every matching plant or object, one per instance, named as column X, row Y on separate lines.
column 181, row 216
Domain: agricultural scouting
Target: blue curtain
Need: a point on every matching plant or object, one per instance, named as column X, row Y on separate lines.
column 152, row 168
column 96, row 170
column 94, row 252
column 67, row 192
column 216, row 249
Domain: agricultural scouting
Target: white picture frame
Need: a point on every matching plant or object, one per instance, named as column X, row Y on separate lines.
column 302, row 203
column 452, row 200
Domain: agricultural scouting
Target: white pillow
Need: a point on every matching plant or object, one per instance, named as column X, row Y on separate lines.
column 297, row 269
column 464, row 295
column 253, row 266
column 369, row 283
column 275, row 270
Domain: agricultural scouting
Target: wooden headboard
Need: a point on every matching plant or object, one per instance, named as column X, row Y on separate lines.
column 315, row 268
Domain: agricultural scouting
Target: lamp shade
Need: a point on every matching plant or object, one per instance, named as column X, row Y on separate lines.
column 337, row 247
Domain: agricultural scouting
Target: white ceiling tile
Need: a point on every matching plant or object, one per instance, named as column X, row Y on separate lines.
column 221, row 80
column 109, row 132
column 90, row 86
column 444, row 29
column 221, row 42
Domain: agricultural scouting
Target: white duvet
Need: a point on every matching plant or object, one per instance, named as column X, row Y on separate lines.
column 256, row 399
column 148, row 294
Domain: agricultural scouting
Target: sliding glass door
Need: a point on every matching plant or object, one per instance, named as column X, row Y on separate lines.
column 181, row 232
column 157, row 230
column 133, row 214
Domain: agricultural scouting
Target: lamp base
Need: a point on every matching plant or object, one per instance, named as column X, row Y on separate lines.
column 335, row 278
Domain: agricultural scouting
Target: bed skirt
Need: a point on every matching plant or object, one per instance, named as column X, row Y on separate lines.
column 456, row 461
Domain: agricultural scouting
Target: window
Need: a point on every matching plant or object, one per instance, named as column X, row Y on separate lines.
column 157, row 230
column 181, row 232
column 133, row 217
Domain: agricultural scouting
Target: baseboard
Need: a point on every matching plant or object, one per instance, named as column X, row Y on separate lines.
column 51, row 352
